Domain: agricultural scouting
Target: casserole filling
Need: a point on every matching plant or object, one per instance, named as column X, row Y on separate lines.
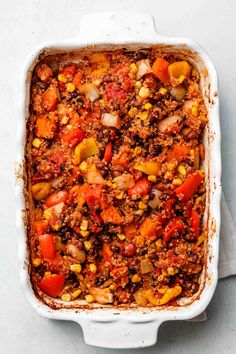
column 115, row 190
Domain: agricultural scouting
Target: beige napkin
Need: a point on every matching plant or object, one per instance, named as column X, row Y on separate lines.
column 227, row 259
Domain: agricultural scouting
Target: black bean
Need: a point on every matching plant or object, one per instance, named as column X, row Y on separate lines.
column 81, row 179
column 100, row 136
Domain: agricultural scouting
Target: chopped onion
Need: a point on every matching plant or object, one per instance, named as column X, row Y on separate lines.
column 144, row 67
column 178, row 92
column 93, row 175
column 102, row 296
column 76, row 253
column 110, row 120
column 124, row 181
column 166, row 123
column 187, row 107
column 155, row 202
column 90, row 91
column 146, row 266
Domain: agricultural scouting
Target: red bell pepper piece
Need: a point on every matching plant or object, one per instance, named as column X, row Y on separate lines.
column 56, row 198
column 106, row 252
column 53, row 285
column 47, row 246
column 175, row 224
column 189, row 187
column 108, row 153
column 140, row 189
column 195, row 222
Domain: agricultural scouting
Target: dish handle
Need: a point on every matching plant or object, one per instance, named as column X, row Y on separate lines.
column 120, row 334
column 115, row 27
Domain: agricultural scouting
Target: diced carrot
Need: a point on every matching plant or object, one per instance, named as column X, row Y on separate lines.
column 108, row 152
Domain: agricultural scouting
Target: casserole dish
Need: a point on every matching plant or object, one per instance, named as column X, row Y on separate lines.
column 134, row 327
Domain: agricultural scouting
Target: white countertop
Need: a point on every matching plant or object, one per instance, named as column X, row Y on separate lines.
column 23, row 25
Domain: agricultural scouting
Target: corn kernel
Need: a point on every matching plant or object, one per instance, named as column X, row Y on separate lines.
column 159, row 243
column 181, row 78
column 192, row 154
column 144, row 92
column 37, row 142
column 170, row 271
column 47, row 214
column 133, row 68
column 70, row 87
column 101, row 102
column 177, row 181
column 133, row 112
column 171, row 166
column 120, row 195
column 195, row 110
column 182, row 170
column 84, row 233
column 114, row 185
column 97, row 82
column 112, row 287
column 168, row 175
column 87, row 245
column 62, row 78
column 64, row 120
column 137, row 151
column 37, row 262
column 152, row 178
column 109, row 184
column 47, row 274
column 83, row 166
column 139, row 212
column 136, row 278
column 147, row 106
column 66, row 297
column 84, row 225
column 93, row 268
column 163, row 91
column 76, row 268
column 142, row 205
column 76, row 293
column 138, row 84
column 89, row 298
column 161, row 277
column 121, row 237
column 143, row 115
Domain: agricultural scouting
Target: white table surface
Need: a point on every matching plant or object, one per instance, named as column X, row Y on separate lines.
column 23, row 25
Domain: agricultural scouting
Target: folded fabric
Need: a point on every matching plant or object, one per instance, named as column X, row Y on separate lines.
column 227, row 255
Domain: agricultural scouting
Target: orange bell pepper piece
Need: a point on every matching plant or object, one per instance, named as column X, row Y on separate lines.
column 160, row 69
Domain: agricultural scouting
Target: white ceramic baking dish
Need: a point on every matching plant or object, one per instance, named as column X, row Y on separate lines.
column 131, row 327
